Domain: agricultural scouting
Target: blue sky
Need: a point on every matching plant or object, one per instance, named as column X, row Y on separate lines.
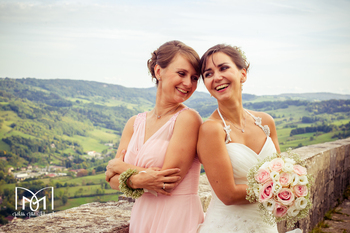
column 293, row 46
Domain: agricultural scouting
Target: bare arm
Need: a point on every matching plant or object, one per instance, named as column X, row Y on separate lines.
column 182, row 148
column 267, row 119
column 153, row 179
column 216, row 161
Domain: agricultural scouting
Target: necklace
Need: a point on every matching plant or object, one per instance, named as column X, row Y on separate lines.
column 241, row 129
column 170, row 111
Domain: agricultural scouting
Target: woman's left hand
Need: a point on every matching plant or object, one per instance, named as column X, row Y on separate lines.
column 115, row 166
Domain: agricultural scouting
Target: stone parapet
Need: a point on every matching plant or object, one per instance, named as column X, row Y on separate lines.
column 329, row 163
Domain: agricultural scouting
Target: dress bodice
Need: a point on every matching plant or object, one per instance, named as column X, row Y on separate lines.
column 151, row 153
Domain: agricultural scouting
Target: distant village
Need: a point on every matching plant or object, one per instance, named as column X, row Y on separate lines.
column 52, row 170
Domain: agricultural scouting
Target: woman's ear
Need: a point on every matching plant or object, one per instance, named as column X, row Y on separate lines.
column 157, row 70
column 244, row 75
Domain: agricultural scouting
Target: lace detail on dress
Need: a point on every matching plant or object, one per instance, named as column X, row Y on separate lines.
column 227, row 128
column 139, row 118
column 265, row 128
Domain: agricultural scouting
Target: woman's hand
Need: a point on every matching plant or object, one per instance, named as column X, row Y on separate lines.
column 115, row 166
column 154, row 179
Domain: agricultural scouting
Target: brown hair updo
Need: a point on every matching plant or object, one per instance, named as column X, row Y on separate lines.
column 165, row 54
column 234, row 52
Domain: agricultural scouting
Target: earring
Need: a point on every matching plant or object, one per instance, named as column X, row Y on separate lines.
column 242, row 85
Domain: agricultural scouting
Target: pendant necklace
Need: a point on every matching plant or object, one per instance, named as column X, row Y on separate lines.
column 241, row 129
column 172, row 110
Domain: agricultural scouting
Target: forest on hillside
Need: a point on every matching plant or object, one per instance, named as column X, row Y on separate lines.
column 38, row 113
column 58, row 122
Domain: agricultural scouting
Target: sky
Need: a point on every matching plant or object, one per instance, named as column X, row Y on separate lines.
column 293, row 46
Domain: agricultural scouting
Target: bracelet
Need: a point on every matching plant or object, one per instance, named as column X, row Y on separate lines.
column 129, row 192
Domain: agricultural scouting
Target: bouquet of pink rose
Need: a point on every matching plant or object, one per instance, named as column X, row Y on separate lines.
column 281, row 185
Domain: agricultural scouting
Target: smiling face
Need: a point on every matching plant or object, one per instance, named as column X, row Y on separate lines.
column 222, row 78
column 178, row 80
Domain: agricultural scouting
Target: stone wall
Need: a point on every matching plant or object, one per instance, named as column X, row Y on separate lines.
column 328, row 162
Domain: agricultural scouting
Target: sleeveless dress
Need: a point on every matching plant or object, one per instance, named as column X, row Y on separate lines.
column 239, row 218
column 181, row 212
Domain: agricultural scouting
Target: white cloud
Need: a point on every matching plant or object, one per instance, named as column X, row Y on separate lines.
column 291, row 45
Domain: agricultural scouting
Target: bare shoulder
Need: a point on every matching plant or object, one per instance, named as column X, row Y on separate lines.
column 211, row 127
column 266, row 118
column 189, row 117
column 131, row 120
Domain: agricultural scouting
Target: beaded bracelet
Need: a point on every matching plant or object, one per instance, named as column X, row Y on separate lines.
column 129, row 192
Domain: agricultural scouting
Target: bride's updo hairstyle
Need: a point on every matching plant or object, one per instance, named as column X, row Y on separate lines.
column 165, row 54
column 235, row 53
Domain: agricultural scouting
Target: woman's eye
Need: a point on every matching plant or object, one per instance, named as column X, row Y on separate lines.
column 195, row 78
column 207, row 75
column 181, row 74
column 224, row 68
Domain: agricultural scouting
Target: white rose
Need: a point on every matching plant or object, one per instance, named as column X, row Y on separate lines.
column 256, row 189
column 276, row 187
column 289, row 160
column 293, row 211
column 288, row 167
column 269, row 205
column 300, row 203
column 303, row 180
column 275, row 175
column 295, row 179
column 265, row 166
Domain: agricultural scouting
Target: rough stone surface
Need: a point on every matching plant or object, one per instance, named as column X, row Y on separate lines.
column 204, row 192
column 340, row 219
column 91, row 217
column 329, row 163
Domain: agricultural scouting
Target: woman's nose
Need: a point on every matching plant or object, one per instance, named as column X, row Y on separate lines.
column 217, row 77
column 187, row 81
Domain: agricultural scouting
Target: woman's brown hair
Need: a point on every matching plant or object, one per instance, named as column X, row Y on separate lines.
column 165, row 54
column 234, row 52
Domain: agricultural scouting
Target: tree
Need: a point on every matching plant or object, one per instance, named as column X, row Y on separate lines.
column 82, row 172
column 64, row 199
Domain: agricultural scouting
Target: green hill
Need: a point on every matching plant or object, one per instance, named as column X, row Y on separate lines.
column 57, row 122
column 77, row 116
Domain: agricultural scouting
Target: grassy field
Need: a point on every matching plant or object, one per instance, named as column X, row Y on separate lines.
column 71, row 192
column 74, row 202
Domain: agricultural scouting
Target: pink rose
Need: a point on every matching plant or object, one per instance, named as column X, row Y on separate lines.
column 280, row 210
column 285, row 178
column 262, row 176
column 285, row 196
column 266, row 192
column 276, row 164
column 299, row 170
column 300, row 190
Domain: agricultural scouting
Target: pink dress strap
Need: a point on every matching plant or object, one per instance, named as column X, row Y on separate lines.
column 139, row 119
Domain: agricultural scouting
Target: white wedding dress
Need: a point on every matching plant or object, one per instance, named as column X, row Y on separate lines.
column 239, row 218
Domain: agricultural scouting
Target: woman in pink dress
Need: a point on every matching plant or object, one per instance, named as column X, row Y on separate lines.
column 161, row 145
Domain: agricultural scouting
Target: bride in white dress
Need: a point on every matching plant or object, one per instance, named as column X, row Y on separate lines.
column 230, row 142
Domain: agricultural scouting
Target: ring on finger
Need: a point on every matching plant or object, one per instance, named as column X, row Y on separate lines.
column 163, row 185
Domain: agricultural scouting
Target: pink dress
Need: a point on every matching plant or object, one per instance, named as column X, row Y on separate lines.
column 181, row 212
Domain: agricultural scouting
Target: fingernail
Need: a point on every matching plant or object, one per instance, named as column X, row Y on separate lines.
column 123, row 151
